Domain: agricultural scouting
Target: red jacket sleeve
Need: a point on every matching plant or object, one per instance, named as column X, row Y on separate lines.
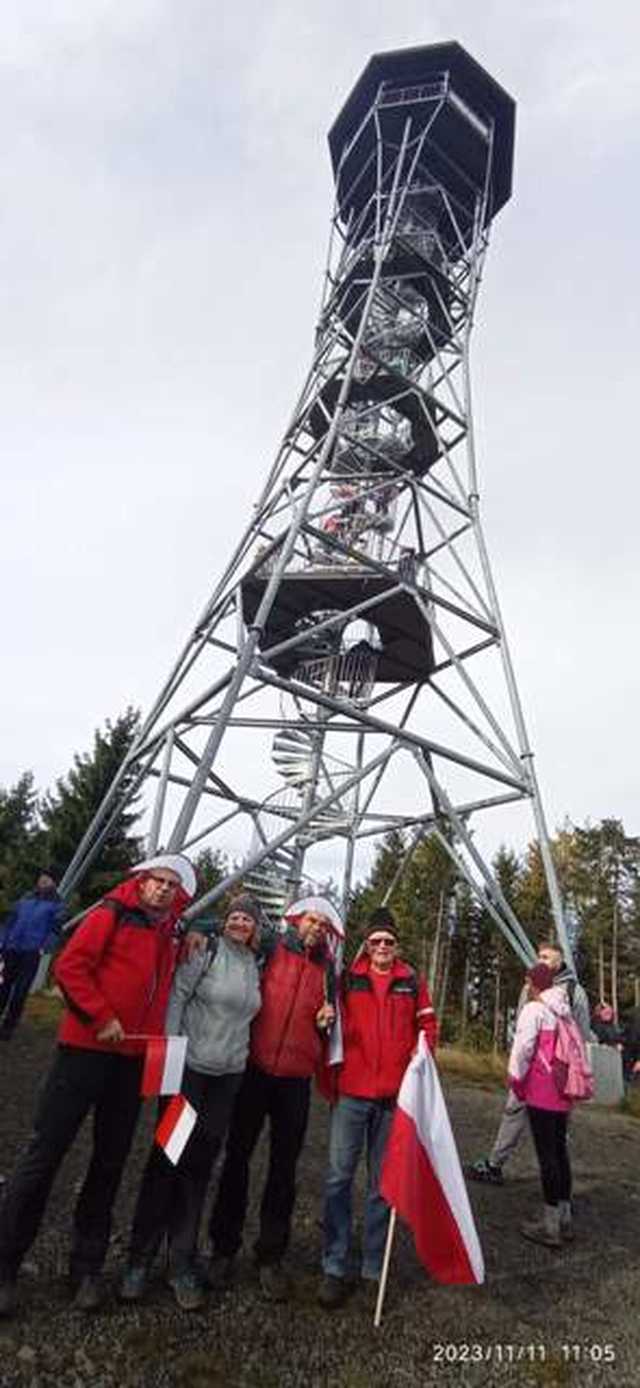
column 76, row 968
column 425, row 1015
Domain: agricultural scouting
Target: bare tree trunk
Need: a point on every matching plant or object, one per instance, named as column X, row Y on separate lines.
column 434, row 962
column 496, row 1007
column 465, row 1001
column 614, row 961
column 636, row 992
column 601, row 989
column 444, row 983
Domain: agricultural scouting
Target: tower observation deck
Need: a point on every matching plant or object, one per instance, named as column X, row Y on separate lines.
column 350, row 672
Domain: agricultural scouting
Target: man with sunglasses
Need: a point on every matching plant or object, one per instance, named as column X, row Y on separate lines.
column 384, row 1005
column 115, row 974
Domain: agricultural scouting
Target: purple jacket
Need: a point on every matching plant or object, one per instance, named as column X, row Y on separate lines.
column 530, row 1073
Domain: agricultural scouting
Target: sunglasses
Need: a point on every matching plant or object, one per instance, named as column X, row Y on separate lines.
column 388, row 940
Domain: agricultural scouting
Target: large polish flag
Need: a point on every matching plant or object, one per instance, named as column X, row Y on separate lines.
column 163, row 1065
column 422, row 1177
column 175, row 1127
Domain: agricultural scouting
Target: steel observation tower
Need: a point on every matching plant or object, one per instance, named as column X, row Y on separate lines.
column 350, row 672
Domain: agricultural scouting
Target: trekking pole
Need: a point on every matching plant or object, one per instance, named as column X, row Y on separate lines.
column 385, row 1271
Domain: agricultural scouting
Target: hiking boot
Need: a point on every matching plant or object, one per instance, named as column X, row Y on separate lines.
column 274, row 1283
column 334, row 1291
column 369, row 1281
column 188, row 1290
column 366, row 1289
column 567, row 1232
column 220, row 1272
column 487, row 1171
column 89, row 1293
column 545, row 1230
column 8, row 1296
column 133, row 1284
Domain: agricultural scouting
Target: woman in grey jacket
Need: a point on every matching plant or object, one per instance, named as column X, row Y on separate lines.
column 214, row 999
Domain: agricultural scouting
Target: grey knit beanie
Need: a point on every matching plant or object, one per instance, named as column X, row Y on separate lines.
column 247, row 904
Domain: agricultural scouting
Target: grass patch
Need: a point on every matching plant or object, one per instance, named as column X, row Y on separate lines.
column 631, row 1103
column 478, row 1067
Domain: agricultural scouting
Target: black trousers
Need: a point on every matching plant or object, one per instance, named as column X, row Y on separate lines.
column 630, row 1054
column 171, row 1198
column 79, row 1081
column 19, row 968
column 549, row 1130
column 285, row 1101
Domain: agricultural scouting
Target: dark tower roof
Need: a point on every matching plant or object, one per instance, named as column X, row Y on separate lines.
column 480, row 94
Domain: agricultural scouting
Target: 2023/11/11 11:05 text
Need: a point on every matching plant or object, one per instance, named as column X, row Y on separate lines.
column 510, row 1353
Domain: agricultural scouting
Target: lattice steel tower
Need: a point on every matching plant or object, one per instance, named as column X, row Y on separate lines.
column 350, row 671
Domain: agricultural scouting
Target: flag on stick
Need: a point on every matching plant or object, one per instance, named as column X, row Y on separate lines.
column 175, row 1127
column 422, row 1177
column 163, row 1065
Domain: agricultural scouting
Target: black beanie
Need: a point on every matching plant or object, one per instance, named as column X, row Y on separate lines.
column 381, row 919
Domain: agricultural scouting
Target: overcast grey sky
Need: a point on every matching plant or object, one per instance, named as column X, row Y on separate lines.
column 167, row 192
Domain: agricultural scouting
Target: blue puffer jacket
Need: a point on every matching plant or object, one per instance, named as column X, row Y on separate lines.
column 34, row 923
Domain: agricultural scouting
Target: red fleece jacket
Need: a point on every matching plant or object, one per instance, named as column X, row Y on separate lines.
column 380, row 1032
column 119, row 963
column 285, row 1040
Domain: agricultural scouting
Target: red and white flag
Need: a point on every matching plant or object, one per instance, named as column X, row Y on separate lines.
column 175, row 1127
column 163, row 1065
column 422, row 1177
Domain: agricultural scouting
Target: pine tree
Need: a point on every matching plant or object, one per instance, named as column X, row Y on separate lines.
column 211, row 866
column 422, row 906
column 21, row 853
column 605, row 890
column 66, row 812
column 389, row 855
column 507, row 967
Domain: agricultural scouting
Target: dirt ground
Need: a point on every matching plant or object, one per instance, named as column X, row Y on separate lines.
column 542, row 1318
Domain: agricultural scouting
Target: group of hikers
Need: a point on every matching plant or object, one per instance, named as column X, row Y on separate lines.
column 257, row 1008
column 263, row 1013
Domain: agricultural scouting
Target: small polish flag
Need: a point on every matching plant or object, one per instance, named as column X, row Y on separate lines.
column 163, row 1065
column 422, row 1177
column 175, row 1127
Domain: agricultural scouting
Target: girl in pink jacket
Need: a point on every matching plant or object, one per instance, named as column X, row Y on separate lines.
column 531, row 1078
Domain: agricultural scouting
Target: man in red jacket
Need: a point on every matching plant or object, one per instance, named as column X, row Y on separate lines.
column 384, row 1005
column 115, row 974
column 297, row 1011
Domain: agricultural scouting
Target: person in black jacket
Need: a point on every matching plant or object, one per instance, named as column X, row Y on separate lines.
column 631, row 1045
column 603, row 1023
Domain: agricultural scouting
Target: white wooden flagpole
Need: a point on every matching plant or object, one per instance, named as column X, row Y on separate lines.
column 385, row 1271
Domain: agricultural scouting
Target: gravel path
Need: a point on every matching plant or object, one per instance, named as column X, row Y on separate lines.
column 510, row 1331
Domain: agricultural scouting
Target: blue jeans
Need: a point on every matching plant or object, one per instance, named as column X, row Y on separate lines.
column 355, row 1122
